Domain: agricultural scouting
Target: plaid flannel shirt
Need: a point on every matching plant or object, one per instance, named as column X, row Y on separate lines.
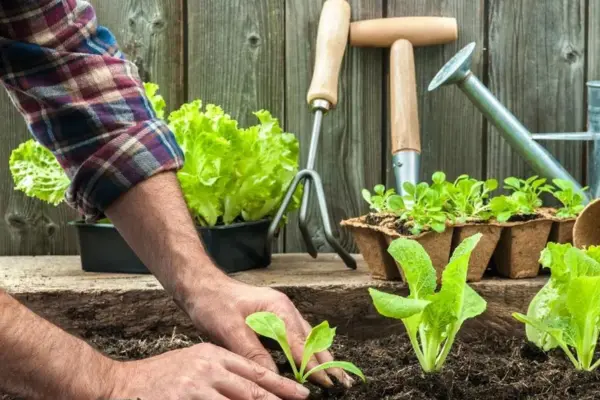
column 82, row 100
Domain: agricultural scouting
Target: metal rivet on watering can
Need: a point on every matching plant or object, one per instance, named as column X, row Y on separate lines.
column 458, row 71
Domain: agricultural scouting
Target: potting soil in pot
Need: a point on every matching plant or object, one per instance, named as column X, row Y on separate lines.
column 492, row 367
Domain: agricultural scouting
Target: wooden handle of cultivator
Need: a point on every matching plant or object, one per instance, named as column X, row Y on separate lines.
column 332, row 38
column 404, row 111
column 420, row 31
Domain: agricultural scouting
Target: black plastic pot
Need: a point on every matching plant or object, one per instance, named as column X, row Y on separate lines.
column 233, row 248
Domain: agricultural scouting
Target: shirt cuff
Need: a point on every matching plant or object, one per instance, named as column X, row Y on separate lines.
column 130, row 157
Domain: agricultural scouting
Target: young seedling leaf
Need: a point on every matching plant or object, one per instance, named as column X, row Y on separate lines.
column 345, row 365
column 397, row 307
column 319, row 339
column 270, row 325
column 417, row 266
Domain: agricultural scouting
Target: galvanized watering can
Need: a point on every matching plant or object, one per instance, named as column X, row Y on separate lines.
column 458, row 71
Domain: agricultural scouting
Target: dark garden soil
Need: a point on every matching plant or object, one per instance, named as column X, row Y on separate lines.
column 492, row 367
column 389, row 221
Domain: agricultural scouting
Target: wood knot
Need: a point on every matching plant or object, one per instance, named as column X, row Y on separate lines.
column 570, row 54
column 158, row 24
column 51, row 228
column 16, row 221
column 254, row 40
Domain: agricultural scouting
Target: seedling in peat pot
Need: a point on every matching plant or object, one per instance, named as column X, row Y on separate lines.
column 565, row 313
column 468, row 198
column 432, row 319
column 572, row 200
column 428, row 203
column 383, row 200
column 319, row 339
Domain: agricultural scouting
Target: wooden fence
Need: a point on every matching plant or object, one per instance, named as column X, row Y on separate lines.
column 250, row 54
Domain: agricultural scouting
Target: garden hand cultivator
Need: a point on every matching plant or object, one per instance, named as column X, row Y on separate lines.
column 332, row 38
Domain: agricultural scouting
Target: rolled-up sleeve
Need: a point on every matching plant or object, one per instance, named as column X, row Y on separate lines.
column 83, row 100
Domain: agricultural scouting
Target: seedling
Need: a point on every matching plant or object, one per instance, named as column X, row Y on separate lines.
column 565, row 313
column 319, row 339
column 572, row 200
column 383, row 200
column 468, row 198
column 432, row 319
column 527, row 192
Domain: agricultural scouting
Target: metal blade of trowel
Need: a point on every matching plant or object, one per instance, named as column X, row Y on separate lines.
column 404, row 115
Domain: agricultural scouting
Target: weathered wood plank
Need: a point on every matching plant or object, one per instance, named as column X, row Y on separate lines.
column 236, row 58
column 451, row 127
column 537, row 70
column 27, row 226
column 593, row 45
column 80, row 302
column 150, row 33
column 349, row 156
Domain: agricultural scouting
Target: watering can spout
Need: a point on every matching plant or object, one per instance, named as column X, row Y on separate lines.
column 458, row 71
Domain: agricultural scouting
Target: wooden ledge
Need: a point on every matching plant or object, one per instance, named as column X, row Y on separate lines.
column 83, row 303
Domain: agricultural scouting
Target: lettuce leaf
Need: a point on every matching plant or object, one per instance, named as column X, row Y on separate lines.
column 231, row 173
column 36, row 173
column 565, row 313
column 432, row 319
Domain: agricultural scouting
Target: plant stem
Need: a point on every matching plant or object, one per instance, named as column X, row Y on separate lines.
column 415, row 344
column 439, row 363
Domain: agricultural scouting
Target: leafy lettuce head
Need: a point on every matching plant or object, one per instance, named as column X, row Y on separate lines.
column 36, row 172
column 231, row 173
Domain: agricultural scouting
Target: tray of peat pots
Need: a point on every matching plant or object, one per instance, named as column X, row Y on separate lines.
column 564, row 217
column 233, row 181
column 526, row 227
column 418, row 215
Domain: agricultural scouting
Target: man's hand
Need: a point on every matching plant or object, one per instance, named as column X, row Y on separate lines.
column 204, row 372
column 221, row 309
column 154, row 219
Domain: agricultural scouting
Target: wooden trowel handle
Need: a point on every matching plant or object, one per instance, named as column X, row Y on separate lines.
column 420, row 31
column 332, row 38
column 404, row 110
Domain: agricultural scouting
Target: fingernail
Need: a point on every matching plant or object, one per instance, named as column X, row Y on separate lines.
column 348, row 381
column 327, row 381
column 302, row 391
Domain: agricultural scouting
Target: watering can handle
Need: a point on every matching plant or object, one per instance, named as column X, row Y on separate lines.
column 332, row 38
column 404, row 112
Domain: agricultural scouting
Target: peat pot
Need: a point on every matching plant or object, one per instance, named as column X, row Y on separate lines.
column 233, row 248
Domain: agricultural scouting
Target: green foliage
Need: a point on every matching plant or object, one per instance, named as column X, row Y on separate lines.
column 426, row 205
column 319, row 339
column 524, row 198
column 468, row 198
column 156, row 100
column 232, row 173
column 383, row 200
column 572, row 200
column 36, row 173
column 432, row 319
column 565, row 313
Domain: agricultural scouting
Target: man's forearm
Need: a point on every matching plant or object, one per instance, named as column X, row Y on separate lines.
column 154, row 219
column 40, row 361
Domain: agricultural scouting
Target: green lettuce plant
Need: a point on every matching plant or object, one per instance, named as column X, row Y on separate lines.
column 230, row 173
column 424, row 206
column 571, row 199
column 233, row 173
column 565, row 313
column 524, row 199
column 469, row 198
column 432, row 319
column 37, row 173
column 319, row 339
column 382, row 200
